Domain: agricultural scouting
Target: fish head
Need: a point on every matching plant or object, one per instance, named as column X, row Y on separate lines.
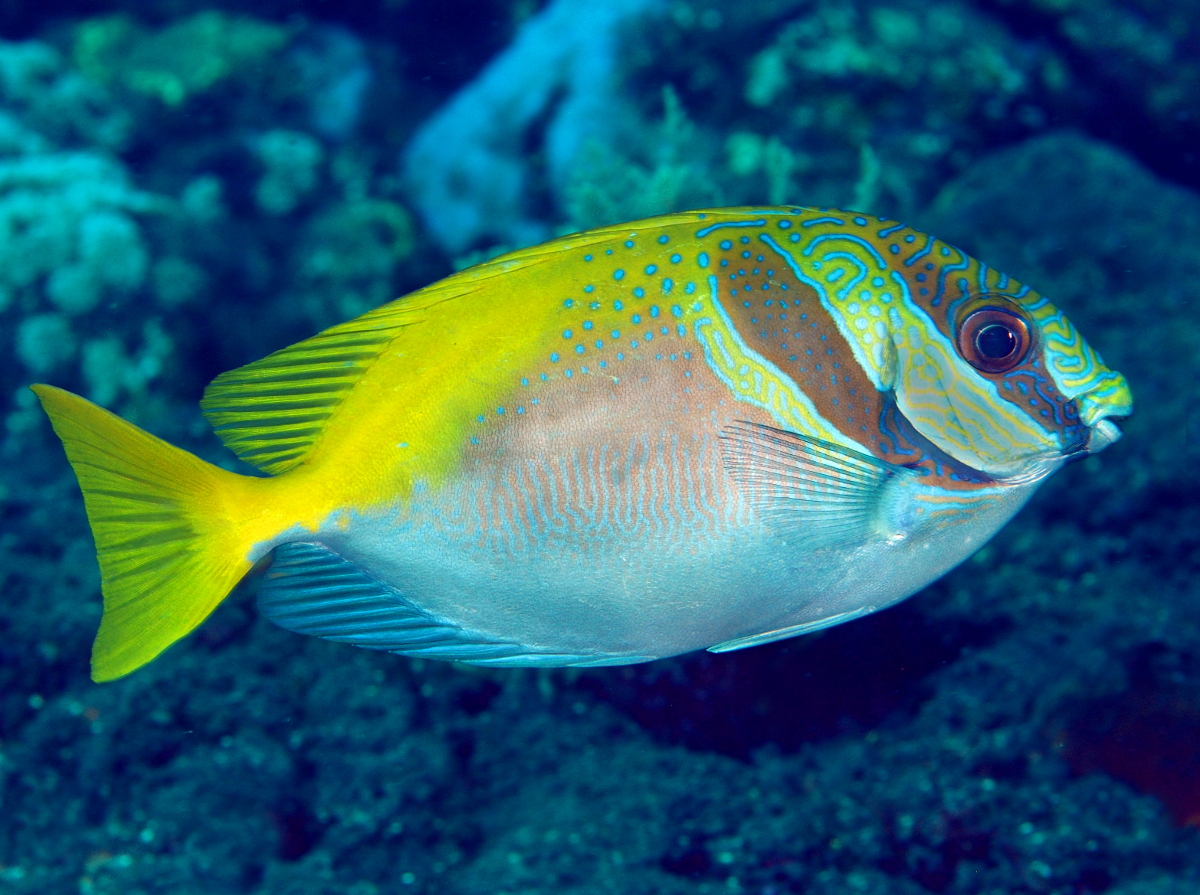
column 1001, row 380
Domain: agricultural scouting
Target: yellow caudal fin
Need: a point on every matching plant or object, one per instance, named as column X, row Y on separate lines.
column 166, row 527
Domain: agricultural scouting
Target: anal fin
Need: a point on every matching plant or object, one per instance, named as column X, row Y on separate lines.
column 311, row 590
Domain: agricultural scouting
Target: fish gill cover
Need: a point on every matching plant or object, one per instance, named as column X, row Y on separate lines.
column 185, row 187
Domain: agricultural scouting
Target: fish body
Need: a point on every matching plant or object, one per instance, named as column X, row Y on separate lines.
column 703, row 430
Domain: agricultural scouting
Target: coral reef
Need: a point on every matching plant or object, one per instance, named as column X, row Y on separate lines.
column 186, row 58
column 72, row 245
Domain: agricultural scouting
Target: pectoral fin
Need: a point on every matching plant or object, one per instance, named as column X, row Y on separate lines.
column 824, row 493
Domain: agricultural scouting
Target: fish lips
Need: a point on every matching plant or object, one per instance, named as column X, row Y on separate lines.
column 1104, row 432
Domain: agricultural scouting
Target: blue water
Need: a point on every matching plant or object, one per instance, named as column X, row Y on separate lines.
column 184, row 188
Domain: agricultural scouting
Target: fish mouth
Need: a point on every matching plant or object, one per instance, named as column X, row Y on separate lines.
column 1100, row 435
column 1104, row 432
column 1100, row 408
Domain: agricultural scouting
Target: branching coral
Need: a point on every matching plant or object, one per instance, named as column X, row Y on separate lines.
column 469, row 169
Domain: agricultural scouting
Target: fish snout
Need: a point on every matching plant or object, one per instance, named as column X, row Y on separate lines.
column 1101, row 407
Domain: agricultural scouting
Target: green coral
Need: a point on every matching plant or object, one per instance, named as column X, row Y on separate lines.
column 671, row 174
column 185, row 58
column 348, row 255
column 291, row 161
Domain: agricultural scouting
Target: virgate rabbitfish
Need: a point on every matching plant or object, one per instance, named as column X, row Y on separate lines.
column 703, row 430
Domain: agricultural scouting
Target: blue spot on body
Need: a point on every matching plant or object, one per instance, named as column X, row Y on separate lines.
column 618, row 274
column 702, row 259
column 651, row 268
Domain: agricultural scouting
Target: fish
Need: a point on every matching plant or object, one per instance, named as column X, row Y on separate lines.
column 703, row 430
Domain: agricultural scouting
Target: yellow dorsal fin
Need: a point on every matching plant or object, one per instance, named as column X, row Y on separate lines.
column 270, row 412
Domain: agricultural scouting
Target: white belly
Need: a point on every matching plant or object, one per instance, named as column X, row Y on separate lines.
column 639, row 553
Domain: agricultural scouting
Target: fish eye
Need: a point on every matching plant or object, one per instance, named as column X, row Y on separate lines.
column 994, row 340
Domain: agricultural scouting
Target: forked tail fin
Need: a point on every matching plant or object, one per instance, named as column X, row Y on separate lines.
column 167, row 528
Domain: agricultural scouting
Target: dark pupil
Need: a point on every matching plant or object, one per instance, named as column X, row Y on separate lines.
column 996, row 342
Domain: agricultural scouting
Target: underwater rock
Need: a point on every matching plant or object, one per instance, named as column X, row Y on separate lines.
column 1140, row 60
